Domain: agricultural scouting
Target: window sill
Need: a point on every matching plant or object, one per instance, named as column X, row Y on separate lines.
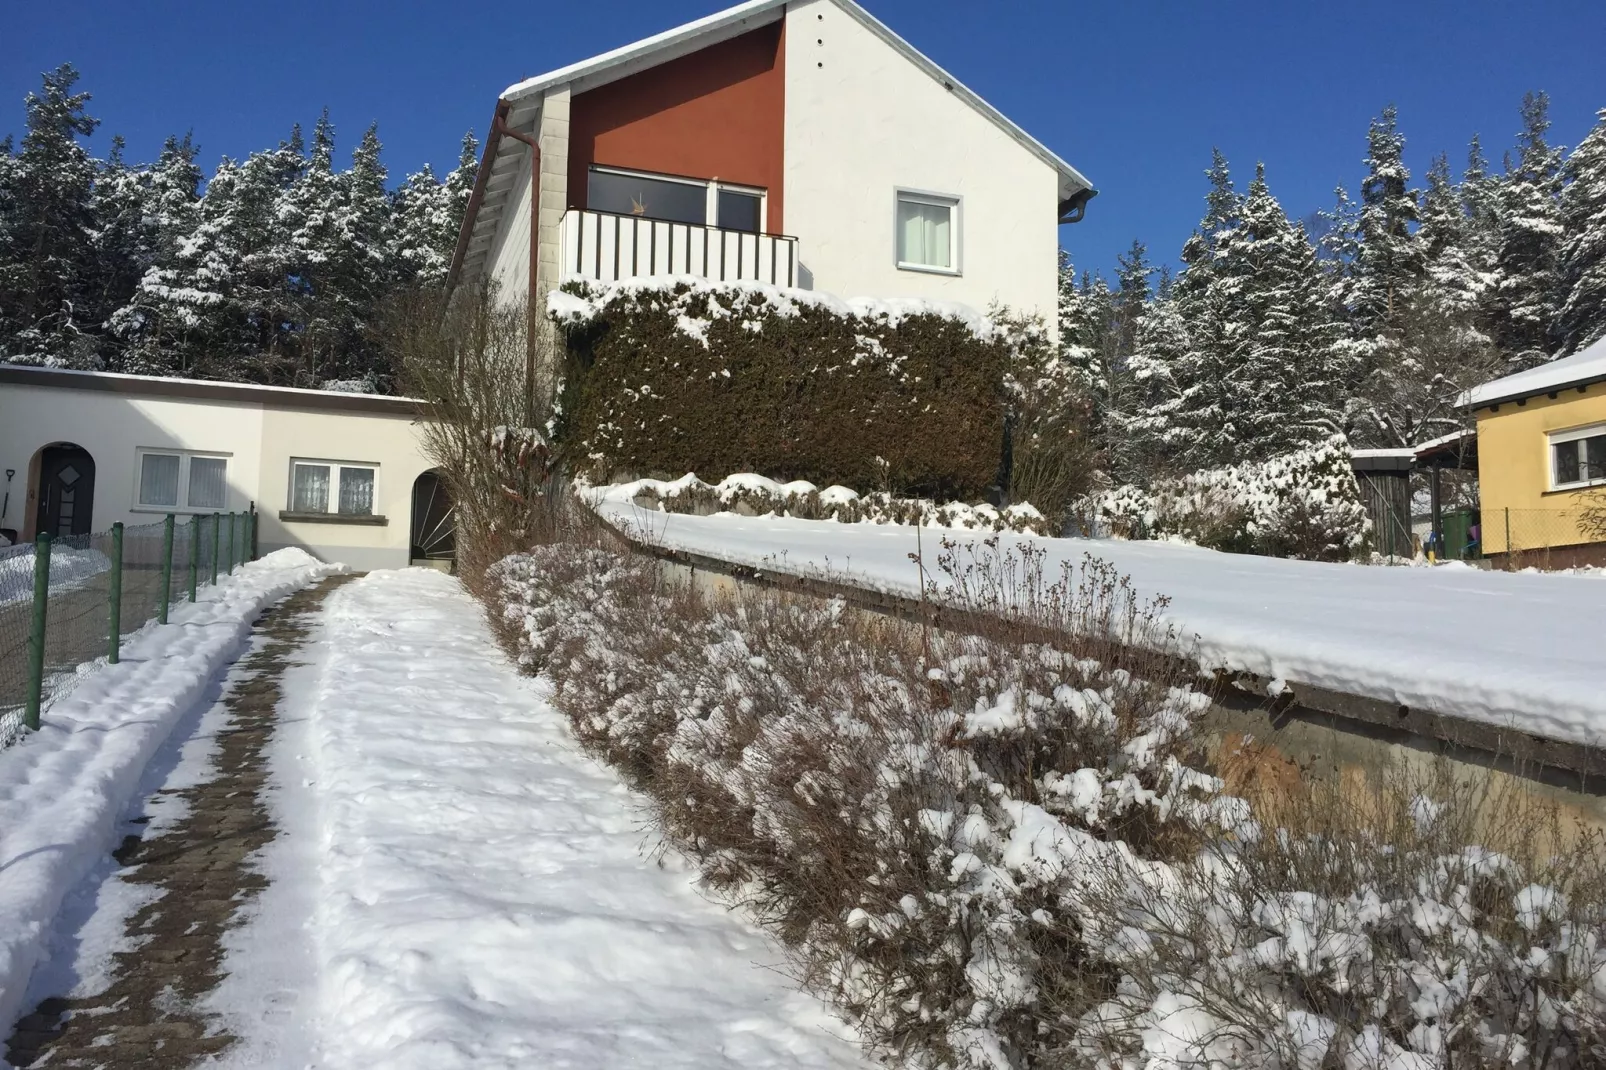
column 1575, row 488
column 331, row 518
column 928, row 270
column 162, row 510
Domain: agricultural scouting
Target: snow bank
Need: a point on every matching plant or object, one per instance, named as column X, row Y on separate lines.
column 756, row 495
column 477, row 886
column 581, row 300
column 69, row 569
column 63, row 788
column 1511, row 650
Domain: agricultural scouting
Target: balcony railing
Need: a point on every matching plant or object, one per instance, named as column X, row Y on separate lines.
column 609, row 247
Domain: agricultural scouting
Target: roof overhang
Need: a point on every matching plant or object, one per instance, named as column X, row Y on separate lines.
column 519, row 106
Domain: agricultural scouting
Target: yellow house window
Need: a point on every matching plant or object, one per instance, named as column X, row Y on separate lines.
column 1578, row 457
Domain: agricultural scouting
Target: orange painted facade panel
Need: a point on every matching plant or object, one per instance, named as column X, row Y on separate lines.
column 718, row 113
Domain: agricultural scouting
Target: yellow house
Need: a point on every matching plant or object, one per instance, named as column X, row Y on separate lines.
column 1542, row 462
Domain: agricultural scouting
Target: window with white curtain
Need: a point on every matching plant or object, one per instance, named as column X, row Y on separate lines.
column 181, row 481
column 335, row 488
column 928, row 232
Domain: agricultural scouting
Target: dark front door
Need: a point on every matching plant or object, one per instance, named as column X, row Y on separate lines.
column 66, row 491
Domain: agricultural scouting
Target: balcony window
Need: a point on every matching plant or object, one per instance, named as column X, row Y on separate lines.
column 1578, row 458
column 672, row 199
column 928, row 232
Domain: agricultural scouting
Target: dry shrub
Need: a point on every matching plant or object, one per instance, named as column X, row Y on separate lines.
column 994, row 848
column 470, row 359
column 870, row 788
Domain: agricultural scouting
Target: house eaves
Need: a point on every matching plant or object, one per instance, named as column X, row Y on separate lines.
column 519, row 106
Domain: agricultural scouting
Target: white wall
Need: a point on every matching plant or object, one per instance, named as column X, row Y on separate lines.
column 509, row 262
column 259, row 442
column 112, row 427
column 862, row 122
column 390, row 443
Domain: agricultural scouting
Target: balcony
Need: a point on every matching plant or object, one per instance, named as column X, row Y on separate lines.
column 609, row 247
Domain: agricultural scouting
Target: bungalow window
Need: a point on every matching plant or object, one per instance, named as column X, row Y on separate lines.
column 181, row 481
column 673, row 199
column 1578, row 458
column 333, row 488
column 928, row 232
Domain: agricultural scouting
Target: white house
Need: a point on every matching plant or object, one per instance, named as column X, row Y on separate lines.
column 795, row 142
column 342, row 475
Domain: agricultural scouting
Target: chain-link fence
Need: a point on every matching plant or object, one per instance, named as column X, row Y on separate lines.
column 67, row 603
column 1546, row 538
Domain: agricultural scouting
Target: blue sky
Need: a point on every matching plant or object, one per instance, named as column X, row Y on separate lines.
column 1133, row 94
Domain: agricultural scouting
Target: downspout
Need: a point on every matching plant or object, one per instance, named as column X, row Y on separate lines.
column 534, row 323
column 1074, row 207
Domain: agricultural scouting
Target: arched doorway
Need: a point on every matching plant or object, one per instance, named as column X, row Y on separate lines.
column 433, row 533
column 65, row 491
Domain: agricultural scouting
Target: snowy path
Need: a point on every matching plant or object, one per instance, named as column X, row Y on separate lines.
column 1506, row 649
column 456, row 885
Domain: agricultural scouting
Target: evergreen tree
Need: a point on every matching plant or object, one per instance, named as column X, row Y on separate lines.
column 1528, row 286
column 1386, row 264
column 1582, row 316
column 47, row 272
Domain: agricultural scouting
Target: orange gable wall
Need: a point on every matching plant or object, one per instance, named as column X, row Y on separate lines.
column 717, row 113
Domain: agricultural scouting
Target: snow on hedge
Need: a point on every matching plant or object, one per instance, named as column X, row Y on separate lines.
column 748, row 494
column 1304, row 504
column 582, row 300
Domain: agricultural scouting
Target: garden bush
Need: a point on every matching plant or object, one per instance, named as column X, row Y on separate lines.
column 1305, row 504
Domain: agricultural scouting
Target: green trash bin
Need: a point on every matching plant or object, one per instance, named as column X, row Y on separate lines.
column 1459, row 544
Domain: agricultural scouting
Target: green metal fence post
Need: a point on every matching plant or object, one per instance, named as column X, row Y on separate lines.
column 36, row 631
column 253, row 531
column 114, row 631
column 232, row 525
column 167, row 568
column 195, row 551
column 217, row 537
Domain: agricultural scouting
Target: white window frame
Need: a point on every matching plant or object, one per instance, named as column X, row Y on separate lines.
column 956, row 221
column 184, row 457
column 334, row 488
column 712, row 186
column 1553, row 439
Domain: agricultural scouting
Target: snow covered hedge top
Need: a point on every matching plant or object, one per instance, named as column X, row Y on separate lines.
column 754, row 495
column 671, row 375
column 697, row 302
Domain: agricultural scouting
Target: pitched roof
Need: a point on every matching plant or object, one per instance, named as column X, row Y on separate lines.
column 519, row 105
column 1588, row 365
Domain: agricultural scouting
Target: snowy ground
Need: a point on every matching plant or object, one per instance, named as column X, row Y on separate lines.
column 455, row 884
column 1510, row 649
column 65, row 789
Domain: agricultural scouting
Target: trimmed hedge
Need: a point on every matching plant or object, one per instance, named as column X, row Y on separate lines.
column 680, row 375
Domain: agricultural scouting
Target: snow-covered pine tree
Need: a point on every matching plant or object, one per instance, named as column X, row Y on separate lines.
column 1286, row 378
column 420, row 208
column 1528, row 288
column 47, row 269
column 1386, row 263
column 1453, row 271
column 1582, row 316
column 1192, row 415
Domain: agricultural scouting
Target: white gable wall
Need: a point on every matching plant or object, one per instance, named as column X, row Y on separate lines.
column 510, row 250
column 862, row 122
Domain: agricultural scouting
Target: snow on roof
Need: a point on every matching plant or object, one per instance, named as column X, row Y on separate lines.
column 649, row 51
column 1588, row 365
column 164, row 384
column 1383, row 453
